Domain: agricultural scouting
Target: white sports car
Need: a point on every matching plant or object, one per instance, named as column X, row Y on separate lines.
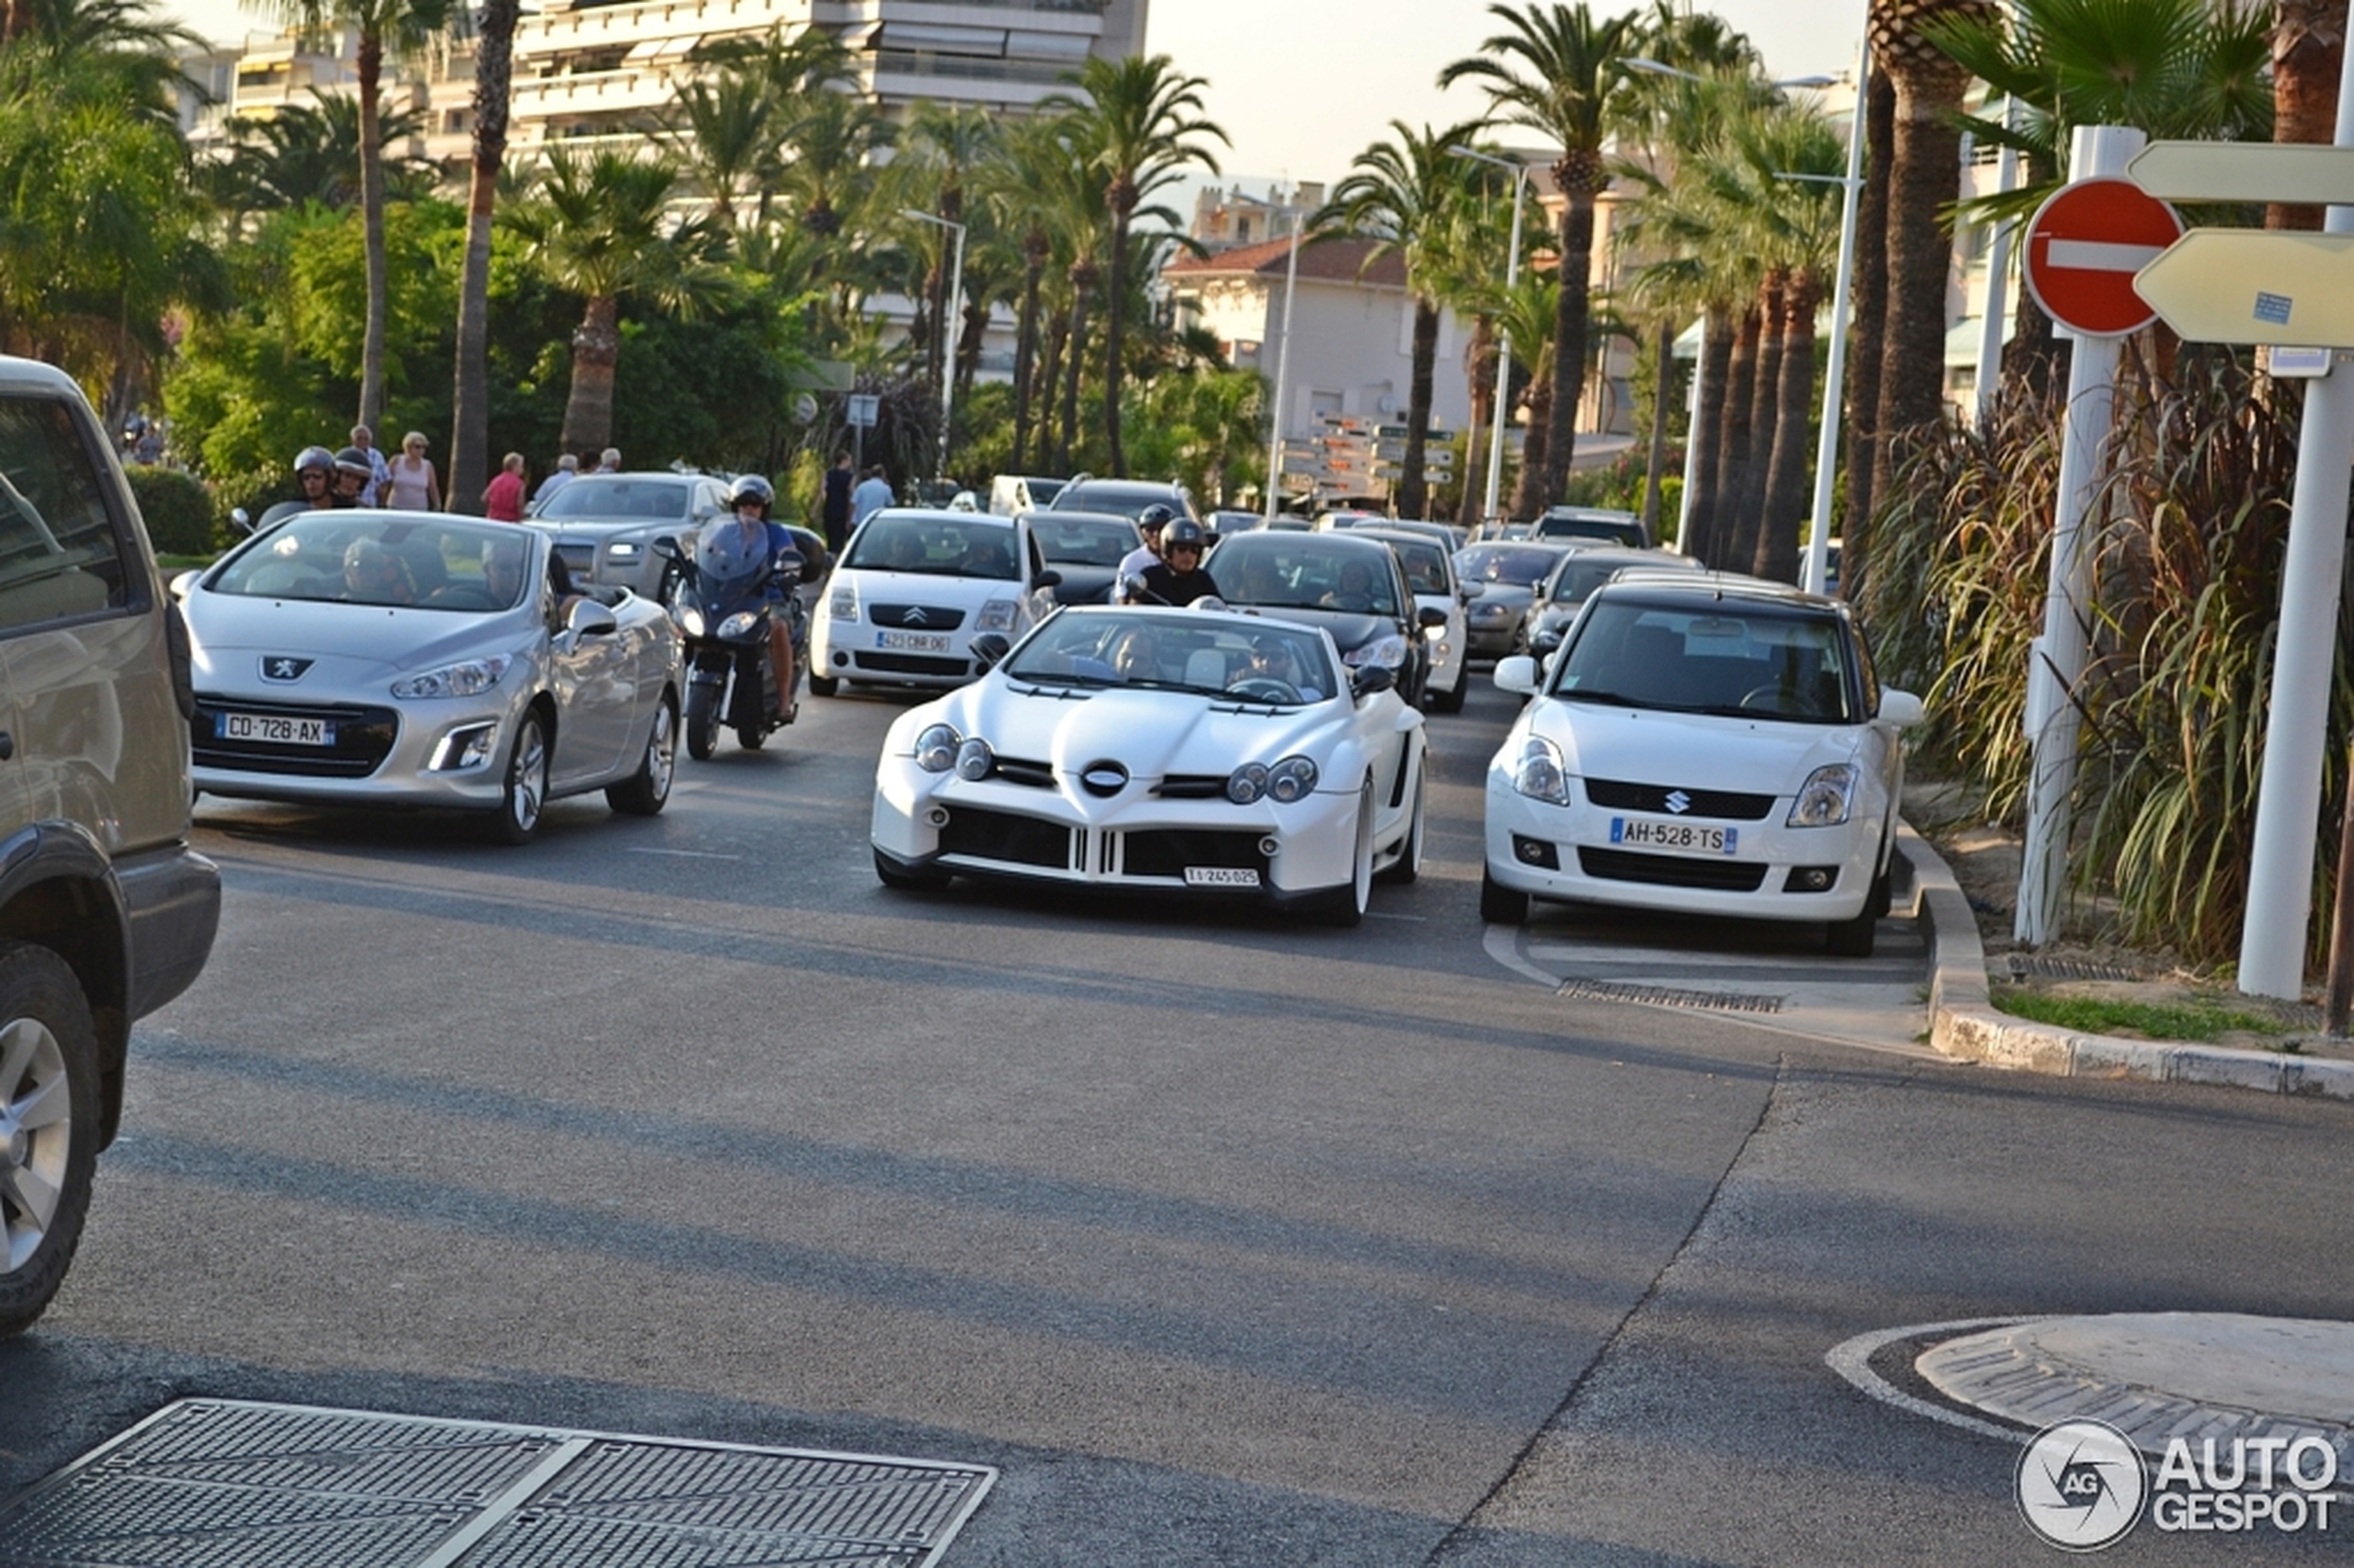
column 1705, row 744
column 1143, row 747
column 368, row 657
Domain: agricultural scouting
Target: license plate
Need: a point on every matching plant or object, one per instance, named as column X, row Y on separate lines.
column 1688, row 838
column 1220, row 877
column 913, row 642
column 275, row 731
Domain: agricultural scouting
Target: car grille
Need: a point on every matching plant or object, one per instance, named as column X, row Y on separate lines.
column 1018, row 770
column 363, row 739
column 1193, row 787
column 933, row 618
column 1724, row 804
column 1166, row 851
column 1671, row 871
column 912, row 663
column 1004, row 835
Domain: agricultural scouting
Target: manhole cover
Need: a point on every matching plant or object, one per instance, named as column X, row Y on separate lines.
column 1667, row 997
column 219, row 1483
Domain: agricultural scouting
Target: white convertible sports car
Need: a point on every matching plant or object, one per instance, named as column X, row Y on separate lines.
column 367, row 658
column 1137, row 747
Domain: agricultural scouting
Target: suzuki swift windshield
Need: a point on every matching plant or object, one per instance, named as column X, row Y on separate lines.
column 388, row 559
column 1735, row 661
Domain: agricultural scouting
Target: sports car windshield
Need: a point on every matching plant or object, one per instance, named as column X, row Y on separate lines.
column 358, row 557
column 609, row 501
column 964, row 545
column 1305, row 572
column 1275, row 665
column 1745, row 662
column 1506, row 564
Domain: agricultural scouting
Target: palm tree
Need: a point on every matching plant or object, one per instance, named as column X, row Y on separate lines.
column 309, row 153
column 941, row 152
column 1556, row 70
column 470, row 395
column 1802, row 229
column 1032, row 153
column 1870, row 304
column 1527, row 315
column 1145, row 126
column 600, row 228
column 2309, row 54
column 1406, row 193
column 828, row 175
column 723, row 133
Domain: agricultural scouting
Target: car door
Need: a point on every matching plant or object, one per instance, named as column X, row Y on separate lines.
column 593, row 676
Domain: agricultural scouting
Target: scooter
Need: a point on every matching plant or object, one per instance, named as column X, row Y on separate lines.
column 722, row 610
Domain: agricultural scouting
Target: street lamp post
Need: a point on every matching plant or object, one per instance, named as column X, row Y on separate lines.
column 1819, row 542
column 1503, row 334
column 1274, row 498
column 955, row 316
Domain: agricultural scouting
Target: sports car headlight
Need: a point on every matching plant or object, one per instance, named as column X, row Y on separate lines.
column 1827, row 797
column 1539, row 774
column 997, row 615
column 689, row 619
column 1290, row 779
column 1388, row 651
column 843, row 605
column 974, row 760
column 1246, row 783
column 738, row 625
column 936, row 749
column 470, row 678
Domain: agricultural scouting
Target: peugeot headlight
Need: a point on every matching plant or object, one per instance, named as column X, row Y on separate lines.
column 689, row 619
column 1290, row 779
column 469, row 678
column 1539, row 774
column 997, row 615
column 1388, row 651
column 974, row 760
column 738, row 624
column 1827, row 797
column 843, row 605
column 1246, row 783
column 936, row 749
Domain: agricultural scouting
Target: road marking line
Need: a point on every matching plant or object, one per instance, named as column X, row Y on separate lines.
column 684, row 854
column 1851, row 1359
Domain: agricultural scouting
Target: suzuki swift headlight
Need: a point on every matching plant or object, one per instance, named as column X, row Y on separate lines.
column 1827, row 797
column 1388, row 651
column 470, row 678
column 1291, row 780
column 936, row 749
column 1539, row 774
column 997, row 615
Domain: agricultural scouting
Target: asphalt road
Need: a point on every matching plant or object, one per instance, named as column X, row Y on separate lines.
column 1229, row 1240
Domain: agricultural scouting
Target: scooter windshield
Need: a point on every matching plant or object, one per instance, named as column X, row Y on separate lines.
column 732, row 564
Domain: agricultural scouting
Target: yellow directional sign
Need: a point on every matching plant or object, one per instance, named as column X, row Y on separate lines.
column 2244, row 172
column 2250, row 286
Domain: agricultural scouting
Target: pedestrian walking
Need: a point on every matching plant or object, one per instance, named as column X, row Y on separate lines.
column 871, row 496
column 365, row 439
column 503, row 497
column 840, row 478
column 414, row 486
column 567, row 470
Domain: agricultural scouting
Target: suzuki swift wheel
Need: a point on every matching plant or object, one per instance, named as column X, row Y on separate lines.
column 48, row 1127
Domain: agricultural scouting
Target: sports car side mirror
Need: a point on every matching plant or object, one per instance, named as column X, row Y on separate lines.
column 1517, row 675
column 1371, row 678
column 1900, row 708
column 1130, row 587
column 241, row 520
column 988, row 648
column 1430, row 615
column 588, row 618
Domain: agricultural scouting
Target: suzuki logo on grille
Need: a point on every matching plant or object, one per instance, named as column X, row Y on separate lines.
column 914, row 617
column 1103, row 779
column 280, row 666
column 1678, row 802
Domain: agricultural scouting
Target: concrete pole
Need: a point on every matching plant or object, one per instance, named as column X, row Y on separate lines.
column 1991, row 332
column 951, row 330
column 2289, row 800
column 1819, row 542
column 1283, row 377
column 1692, row 442
column 2057, row 662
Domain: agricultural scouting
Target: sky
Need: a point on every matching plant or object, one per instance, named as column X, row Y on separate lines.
column 1302, row 86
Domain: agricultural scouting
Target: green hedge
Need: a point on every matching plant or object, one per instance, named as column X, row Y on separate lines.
column 177, row 509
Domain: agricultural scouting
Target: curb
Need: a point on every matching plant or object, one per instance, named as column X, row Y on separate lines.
column 1962, row 1023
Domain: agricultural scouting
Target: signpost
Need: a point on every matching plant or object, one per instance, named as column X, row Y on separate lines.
column 863, row 406
column 2301, row 174
column 2256, row 286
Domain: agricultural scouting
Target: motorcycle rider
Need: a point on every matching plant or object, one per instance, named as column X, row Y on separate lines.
column 753, row 498
column 1137, row 562
column 315, row 475
column 355, row 478
column 1179, row 577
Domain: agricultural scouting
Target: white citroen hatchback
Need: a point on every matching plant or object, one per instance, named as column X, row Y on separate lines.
column 913, row 588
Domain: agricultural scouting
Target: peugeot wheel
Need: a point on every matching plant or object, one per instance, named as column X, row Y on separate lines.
column 644, row 792
column 527, row 792
column 48, row 1127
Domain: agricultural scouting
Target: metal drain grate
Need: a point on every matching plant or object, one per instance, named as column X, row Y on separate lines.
column 1667, row 997
column 2022, row 967
column 219, row 1484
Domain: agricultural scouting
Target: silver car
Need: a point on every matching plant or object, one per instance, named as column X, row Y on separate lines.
column 418, row 659
column 604, row 525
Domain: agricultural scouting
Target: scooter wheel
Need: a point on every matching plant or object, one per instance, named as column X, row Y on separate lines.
column 751, row 736
column 703, row 722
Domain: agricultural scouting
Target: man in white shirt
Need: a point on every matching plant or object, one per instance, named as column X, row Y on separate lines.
column 365, row 439
column 1144, row 557
column 871, row 496
column 567, row 470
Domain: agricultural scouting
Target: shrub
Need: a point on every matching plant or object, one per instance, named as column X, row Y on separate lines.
column 178, row 511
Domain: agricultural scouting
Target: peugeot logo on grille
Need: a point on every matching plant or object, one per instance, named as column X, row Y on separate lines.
column 280, row 666
column 914, row 617
column 1678, row 802
column 1103, row 779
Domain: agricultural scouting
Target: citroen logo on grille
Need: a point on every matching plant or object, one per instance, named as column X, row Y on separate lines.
column 1104, row 778
column 280, row 666
column 1678, row 802
column 914, row 617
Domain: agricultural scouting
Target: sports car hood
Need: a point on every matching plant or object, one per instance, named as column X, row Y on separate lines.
column 1693, row 750
column 348, row 644
column 1153, row 734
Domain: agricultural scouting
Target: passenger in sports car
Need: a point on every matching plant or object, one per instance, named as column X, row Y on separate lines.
column 374, row 574
column 1179, row 577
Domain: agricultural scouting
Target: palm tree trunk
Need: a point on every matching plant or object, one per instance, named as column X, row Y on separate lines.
column 1764, row 416
column 1528, row 496
column 1708, row 431
column 470, row 406
column 371, row 218
column 1786, row 478
column 1074, row 358
column 1584, row 174
column 1114, row 324
column 2308, row 52
column 970, row 337
column 1049, row 377
column 1655, row 457
column 1870, row 315
column 1482, row 399
column 1732, row 451
column 1026, row 356
column 1413, row 485
column 596, row 348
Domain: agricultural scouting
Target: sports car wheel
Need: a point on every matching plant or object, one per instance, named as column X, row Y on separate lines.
column 48, row 1127
column 1409, row 864
column 703, row 722
column 518, row 818
column 908, row 878
column 1498, row 905
column 824, row 686
column 644, row 792
column 1345, row 905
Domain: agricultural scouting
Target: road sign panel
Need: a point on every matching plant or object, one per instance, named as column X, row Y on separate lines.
column 863, row 408
column 2304, row 173
column 2083, row 247
column 2254, row 285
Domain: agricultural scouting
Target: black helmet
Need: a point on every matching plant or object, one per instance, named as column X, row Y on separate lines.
column 1181, row 533
column 317, row 458
column 351, row 460
column 752, row 490
column 1154, row 516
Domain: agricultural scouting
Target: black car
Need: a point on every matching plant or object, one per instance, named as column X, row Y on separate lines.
column 1601, row 525
column 1354, row 588
column 1086, row 548
column 1127, row 496
column 1504, row 576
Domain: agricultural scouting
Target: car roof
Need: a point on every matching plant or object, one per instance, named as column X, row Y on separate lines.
column 1592, row 513
column 1074, row 515
column 1405, row 535
column 946, row 515
column 1632, row 559
column 1655, row 584
column 33, row 373
column 1348, row 539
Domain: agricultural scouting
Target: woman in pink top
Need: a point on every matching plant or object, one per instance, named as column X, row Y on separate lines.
column 416, row 487
column 503, row 497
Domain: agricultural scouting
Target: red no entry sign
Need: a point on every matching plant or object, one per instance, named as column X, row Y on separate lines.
column 2083, row 247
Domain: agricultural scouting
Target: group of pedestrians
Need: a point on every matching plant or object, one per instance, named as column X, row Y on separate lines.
column 361, row 476
column 851, row 499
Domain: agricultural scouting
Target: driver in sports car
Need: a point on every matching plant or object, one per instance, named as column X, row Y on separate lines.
column 1272, row 658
